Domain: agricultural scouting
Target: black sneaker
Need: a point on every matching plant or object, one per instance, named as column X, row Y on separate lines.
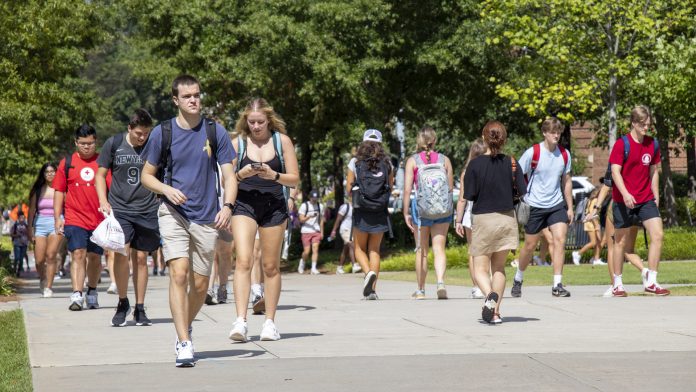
column 559, row 291
column 140, row 317
column 516, row 289
column 154, row 271
column 161, row 272
column 370, row 278
column 119, row 319
column 488, row 310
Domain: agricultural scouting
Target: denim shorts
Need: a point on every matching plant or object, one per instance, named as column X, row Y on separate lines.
column 44, row 226
column 426, row 222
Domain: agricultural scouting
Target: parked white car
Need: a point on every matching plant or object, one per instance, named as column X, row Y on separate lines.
column 581, row 185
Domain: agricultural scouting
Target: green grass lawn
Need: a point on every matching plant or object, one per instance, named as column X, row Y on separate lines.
column 15, row 373
column 674, row 272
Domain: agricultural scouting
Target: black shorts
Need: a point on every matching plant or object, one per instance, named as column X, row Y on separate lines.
column 266, row 209
column 541, row 218
column 625, row 217
column 141, row 231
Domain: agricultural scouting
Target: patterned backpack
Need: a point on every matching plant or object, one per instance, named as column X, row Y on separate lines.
column 433, row 195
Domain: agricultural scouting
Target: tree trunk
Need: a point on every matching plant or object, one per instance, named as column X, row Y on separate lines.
column 613, row 85
column 668, row 199
column 691, row 166
column 306, row 169
column 338, row 176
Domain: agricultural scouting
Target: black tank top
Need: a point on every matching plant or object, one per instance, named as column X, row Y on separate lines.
column 256, row 184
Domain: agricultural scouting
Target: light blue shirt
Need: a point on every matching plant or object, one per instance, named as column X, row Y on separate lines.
column 544, row 185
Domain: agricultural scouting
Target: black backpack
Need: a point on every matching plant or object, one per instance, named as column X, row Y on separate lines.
column 166, row 152
column 372, row 194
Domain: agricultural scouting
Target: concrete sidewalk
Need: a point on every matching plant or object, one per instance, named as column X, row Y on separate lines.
column 332, row 340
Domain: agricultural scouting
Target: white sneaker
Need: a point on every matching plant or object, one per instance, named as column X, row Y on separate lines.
column 47, row 292
column 238, row 333
column 576, row 258
column 514, row 263
column 112, row 288
column 76, row 301
column 300, row 268
column 476, row 293
column 598, row 262
column 340, row 271
column 269, row 331
column 177, row 345
column 184, row 355
column 92, row 300
column 356, row 268
column 609, row 293
column 315, row 271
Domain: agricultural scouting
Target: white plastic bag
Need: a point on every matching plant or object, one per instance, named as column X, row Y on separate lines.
column 109, row 235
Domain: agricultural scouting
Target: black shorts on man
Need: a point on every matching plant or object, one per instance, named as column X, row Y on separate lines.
column 141, row 231
column 625, row 217
column 541, row 218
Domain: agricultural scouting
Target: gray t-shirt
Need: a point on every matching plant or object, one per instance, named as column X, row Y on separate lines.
column 193, row 167
column 544, row 188
column 127, row 195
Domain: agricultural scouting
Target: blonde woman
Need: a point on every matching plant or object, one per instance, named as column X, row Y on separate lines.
column 427, row 230
column 464, row 207
column 266, row 163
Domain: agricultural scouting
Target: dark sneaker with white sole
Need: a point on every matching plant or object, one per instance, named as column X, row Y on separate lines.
column 140, row 317
column 370, row 278
column 516, row 290
column 559, row 291
column 488, row 310
column 259, row 304
column 122, row 309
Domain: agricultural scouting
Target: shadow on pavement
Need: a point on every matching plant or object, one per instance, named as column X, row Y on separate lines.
column 229, row 353
column 302, row 308
column 284, row 336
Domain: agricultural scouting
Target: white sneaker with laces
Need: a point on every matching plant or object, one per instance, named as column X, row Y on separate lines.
column 576, row 258
column 47, row 292
column 315, row 271
column 76, row 301
column 340, row 271
column 300, row 268
column 184, row 355
column 476, row 293
column 112, row 288
column 598, row 262
column 609, row 293
column 269, row 331
column 356, row 268
column 238, row 333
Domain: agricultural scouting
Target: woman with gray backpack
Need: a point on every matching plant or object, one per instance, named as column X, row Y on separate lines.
column 430, row 213
column 370, row 178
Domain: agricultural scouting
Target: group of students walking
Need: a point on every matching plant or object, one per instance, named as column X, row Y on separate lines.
column 186, row 185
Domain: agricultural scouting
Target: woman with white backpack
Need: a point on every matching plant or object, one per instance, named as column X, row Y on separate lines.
column 430, row 213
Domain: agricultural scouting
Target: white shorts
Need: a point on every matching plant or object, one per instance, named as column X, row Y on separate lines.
column 345, row 236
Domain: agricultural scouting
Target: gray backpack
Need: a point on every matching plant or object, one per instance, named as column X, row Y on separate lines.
column 433, row 195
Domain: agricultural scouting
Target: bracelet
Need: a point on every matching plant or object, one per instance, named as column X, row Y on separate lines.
column 229, row 205
column 239, row 179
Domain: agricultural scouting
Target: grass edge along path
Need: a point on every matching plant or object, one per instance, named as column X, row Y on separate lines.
column 15, row 371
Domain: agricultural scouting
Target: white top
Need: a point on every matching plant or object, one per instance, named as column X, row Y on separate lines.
column 346, row 211
column 544, row 186
column 311, row 225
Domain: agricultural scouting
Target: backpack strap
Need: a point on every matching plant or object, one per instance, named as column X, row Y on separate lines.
column 115, row 143
column 165, row 162
column 536, row 154
column 68, row 166
column 656, row 147
column 626, row 146
column 241, row 146
column 278, row 147
column 211, row 135
column 564, row 153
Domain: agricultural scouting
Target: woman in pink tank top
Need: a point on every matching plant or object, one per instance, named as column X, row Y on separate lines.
column 41, row 227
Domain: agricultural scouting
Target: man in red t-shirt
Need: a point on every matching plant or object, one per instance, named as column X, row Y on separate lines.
column 636, row 197
column 77, row 195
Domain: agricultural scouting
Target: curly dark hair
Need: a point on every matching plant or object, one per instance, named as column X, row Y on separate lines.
column 372, row 153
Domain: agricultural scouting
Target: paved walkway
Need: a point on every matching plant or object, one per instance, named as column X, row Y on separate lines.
column 332, row 340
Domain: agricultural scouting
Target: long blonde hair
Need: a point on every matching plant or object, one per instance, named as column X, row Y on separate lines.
column 425, row 141
column 275, row 122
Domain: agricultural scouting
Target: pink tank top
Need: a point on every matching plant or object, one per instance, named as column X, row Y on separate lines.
column 46, row 206
column 433, row 159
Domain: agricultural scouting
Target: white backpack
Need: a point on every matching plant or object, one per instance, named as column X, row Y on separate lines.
column 433, row 195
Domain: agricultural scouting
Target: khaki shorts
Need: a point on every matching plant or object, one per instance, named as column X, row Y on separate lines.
column 184, row 239
column 493, row 232
column 345, row 236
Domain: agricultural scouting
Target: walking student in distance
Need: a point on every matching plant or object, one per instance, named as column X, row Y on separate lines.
column 266, row 166
column 464, row 208
column 593, row 230
column 42, row 227
column 491, row 181
column 549, row 195
column 312, row 230
column 370, row 178
column 76, row 195
column 636, row 197
column 188, row 149
column 20, row 240
column 429, row 214
column 344, row 224
column 135, row 209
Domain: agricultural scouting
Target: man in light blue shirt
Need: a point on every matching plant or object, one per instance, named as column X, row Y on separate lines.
column 549, row 195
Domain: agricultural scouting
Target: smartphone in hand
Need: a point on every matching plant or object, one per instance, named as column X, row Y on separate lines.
column 256, row 165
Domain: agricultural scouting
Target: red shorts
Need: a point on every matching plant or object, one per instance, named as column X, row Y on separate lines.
column 310, row 238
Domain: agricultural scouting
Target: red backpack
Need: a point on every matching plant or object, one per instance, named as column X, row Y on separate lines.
column 537, row 153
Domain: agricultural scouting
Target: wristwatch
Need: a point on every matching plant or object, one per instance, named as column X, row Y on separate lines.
column 229, row 205
column 277, row 176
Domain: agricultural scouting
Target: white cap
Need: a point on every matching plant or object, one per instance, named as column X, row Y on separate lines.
column 372, row 135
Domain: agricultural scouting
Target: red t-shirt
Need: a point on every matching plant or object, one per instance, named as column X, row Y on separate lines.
column 81, row 206
column 636, row 170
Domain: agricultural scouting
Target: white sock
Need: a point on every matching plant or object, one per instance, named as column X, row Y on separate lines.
column 314, row 265
column 617, row 281
column 652, row 278
column 556, row 280
column 262, row 288
column 256, row 289
column 302, row 263
column 519, row 275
